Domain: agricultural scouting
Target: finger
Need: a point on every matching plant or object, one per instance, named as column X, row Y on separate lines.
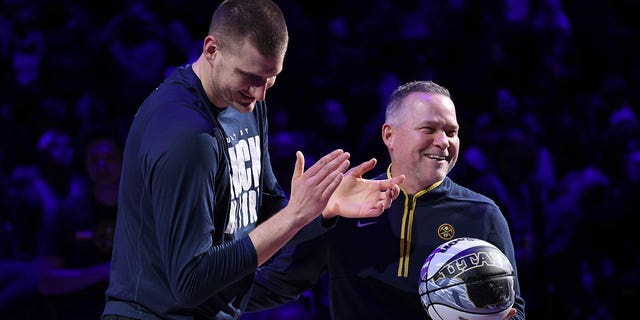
column 327, row 176
column 373, row 212
column 391, row 195
column 391, row 183
column 327, row 160
column 363, row 168
column 298, row 169
column 322, row 170
column 395, row 192
column 332, row 185
column 398, row 180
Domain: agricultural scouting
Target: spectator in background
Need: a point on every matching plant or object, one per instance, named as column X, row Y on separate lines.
column 34, row 192
column 135, row 55
column 329, row 128
column 38, row 190
column 75, row 248
column 284, row 140
column 19, row 295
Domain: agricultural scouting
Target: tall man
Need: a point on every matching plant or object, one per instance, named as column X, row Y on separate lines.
column 199, row 207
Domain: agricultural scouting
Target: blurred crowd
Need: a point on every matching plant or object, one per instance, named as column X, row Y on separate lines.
column 546, row 91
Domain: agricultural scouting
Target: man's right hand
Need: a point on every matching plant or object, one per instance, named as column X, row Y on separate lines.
column 357, row 197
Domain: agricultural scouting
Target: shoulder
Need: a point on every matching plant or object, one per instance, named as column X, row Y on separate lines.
column 166, row 131
column 180, row 92
column 463, row 193
column 176, row 112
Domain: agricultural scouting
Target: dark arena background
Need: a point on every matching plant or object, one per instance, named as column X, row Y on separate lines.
column 547, row 94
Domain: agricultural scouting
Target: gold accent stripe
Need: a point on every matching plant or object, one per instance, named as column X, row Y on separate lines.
column 407, row 220
column 408, row 241
column 402, row 231
column 407, row 226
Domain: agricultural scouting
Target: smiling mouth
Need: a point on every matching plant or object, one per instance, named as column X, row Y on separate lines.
column 436, row 157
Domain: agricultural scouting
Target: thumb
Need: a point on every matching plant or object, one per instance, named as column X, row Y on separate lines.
column 298, row 170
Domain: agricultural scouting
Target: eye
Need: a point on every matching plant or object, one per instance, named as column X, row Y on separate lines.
column 254, row 80
column 427, row 130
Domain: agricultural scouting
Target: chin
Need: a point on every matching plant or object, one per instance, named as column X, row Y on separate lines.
column 244, row 108
column 439, row 175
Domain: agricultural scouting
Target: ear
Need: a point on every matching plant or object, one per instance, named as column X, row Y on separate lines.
column 387, row 135
column 210, row 46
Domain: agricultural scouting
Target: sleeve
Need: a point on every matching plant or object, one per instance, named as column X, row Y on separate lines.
column 183, row 198
column 296, row 268
column 500, row 236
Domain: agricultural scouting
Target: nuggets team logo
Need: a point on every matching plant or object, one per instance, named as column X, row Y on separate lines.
column 446, row 231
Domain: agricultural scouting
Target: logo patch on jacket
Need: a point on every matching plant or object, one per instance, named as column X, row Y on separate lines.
column 446, row 231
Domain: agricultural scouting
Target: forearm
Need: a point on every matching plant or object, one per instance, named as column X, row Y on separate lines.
column 296, row 268
column 273, row 234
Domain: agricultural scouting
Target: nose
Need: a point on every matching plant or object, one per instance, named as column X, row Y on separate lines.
column 441, row 140
column 259, row 92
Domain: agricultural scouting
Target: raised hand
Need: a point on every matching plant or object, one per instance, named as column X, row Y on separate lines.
column 311, row 189
column 310, row 192
column 357, row 197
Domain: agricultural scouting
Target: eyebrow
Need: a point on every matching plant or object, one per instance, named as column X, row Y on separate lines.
column 254, row 77
column 447, row 126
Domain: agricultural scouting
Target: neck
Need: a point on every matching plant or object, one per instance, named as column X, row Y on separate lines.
column 204, row 72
